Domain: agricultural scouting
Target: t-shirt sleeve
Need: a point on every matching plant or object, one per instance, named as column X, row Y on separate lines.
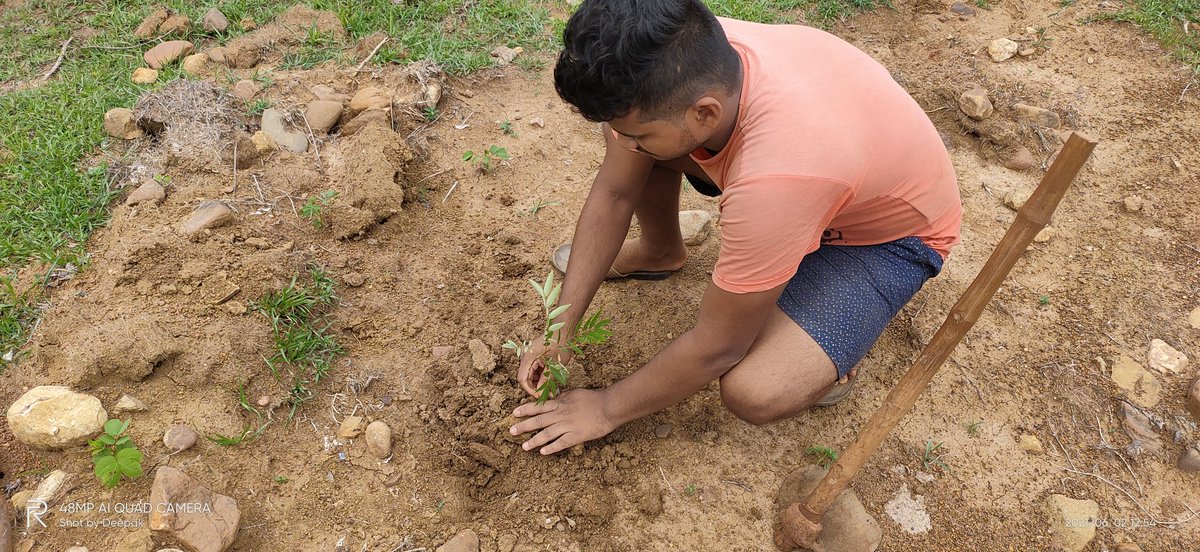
column 769, row 224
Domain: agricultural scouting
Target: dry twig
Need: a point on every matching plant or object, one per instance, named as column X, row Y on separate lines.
column 61, row 54
column 371, row 55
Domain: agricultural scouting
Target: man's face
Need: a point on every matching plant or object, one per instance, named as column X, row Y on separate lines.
column 662, row 139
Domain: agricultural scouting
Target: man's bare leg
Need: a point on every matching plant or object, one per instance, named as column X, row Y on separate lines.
column 660, row 246
column 783, row 374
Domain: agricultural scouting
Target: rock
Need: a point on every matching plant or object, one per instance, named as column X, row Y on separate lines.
column 505, row 55
column 293, row 140
column 149, row 26
column 1189, row 461
column 119, row 122
column 128, row 403
column 1139, row 385
column 1044, row 235
column 137, row 541
column 1026, row 52
column 52, row 488
column 175, row 24
column 482, row 357
column 163, row 54
column 214, row 21
column 1193, row 400
column 352, row 427
column 442, row 351
column 1072, row 522
column 196, row 64
column 464, row 541
column 1141, row 433
column 975, row 104
column 1020, row 160
column 210, row 526
column 248, row 24
column 959, row 8
column 144, row 75
column 695, row 226
column 1002, row 49
column 375, row 116
column 354, row 279
column 370, row 98
column 537, row 122
column 149, row 192
column 847, row 526
column 20, row 500
column 1194, row 318
column 923, row 477
column 54, row 417
column 662, row 431
column 179, row 438
column 209, row 214
column 263, row 142
column 246, row 89
column 1030, row 443
column 219, row 54
column 236, row 308
column 1037, row 116
column 908, row 511
column 322, row 115
column 1016, row 199
column 263, row 401
column 1165, row 358
column 379, row 439
column 1133, row 203
column 328, row 94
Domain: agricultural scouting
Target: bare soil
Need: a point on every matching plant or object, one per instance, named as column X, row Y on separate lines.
column 439, row 254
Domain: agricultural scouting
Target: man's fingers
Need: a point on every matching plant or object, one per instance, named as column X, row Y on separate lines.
column 544, row 436
column 533, row 409
column 564, row 442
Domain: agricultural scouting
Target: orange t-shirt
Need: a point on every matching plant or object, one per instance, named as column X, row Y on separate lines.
column 827, row 149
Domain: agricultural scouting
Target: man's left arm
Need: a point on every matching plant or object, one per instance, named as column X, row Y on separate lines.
column 727, row 326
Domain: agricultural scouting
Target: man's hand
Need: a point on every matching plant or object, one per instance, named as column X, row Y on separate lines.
column 576, row 416
column 531, row 374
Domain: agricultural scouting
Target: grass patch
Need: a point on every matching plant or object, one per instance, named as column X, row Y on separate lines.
column 304, row 350
column 819, row 13
column 18, row 307
column 1165, row 20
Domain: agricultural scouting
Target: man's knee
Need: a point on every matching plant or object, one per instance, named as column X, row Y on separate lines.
column 752, row 405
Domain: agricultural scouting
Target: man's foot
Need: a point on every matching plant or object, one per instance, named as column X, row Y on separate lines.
column 841, row 389
column 633, row 261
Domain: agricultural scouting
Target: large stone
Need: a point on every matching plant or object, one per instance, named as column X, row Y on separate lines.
column 119, row 122
column 203, row 521
column 376, row 116
column 1133, row 203
column 209, row 214
column 959, row 8
column 1016, row 199
column 1037, row 116
column 149, row 25
column 327, row 93
column 219, row 54
column 847, row 527
column 150, row 192
column 1002, row 48
column 379, row 439
column 54, row 417
column 196, row 64
column 1165, row 358
column 179, row 438
column 177, row 23
column 1030, row 443
column 128, row 403
column 167, row 52
column 368, row 98
column 288, row 138
column 1072, row 522
column 1021, row 159
column 144, row 75
column 214, row 21
column 52, row 488
column 465, row 541
column 1194, row 318
column 976, row 104
column 1142, row 438
column 137, row 541
column 908, row 511
column 1139, row 385
column 322, row 115
column 263, row 143
column 482, row 357
column 1193, row 400
column 1189, row 461
column 246, row 89
column 695, row 226
column 505, row 55
column 352, row 427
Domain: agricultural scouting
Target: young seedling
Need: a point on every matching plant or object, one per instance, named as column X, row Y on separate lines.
column 507, row 127
column 483, row 161
column 114, row 455
column 592, row 331
column 312, row 208
column 931, row 456
column 1044, row 300
column 431, row 114
column 972, row 427
column 249, row 433
column 826, row 456
column 162, row 180
column 257, row 107
column 533, row 211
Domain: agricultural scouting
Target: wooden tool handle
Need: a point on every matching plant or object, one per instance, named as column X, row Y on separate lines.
column 1032, row 217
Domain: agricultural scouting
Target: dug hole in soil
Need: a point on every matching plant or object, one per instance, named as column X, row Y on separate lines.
column 430, row 254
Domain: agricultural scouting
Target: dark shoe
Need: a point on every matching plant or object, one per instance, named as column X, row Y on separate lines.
column 563, row 254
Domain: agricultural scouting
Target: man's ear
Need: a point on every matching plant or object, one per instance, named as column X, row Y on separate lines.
column 706, row 112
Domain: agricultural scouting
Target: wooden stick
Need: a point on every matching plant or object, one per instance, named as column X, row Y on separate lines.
column 371, row 55
column 61, row 54
column 801, row 521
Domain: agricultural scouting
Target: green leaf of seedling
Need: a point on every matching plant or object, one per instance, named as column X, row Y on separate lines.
column 124, row 426
column 104, row 464
column 123, row 440
column 509, row 345
column 558, row 311
column 553, row 297
column 130, row 462
column 468, row 155
column 537, row 287
column 113, row 427
column 107, row 439
column 556, row 326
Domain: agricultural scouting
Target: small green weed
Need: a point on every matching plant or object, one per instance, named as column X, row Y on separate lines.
column 1044, row 300
column 972, row 427
column 690, row 490
column 281, row 479
column 826, row 456
column 592, row 331
column 312, row 209
column 483, row 161
column 249, row 432
column 304, row 348
column 114, row 455
column 431, row 114
column 18, row 306
column 539, row 205
column 931, row 456
column 507, row 127
column 315, row 49
column 983, row 4
column 257, row 107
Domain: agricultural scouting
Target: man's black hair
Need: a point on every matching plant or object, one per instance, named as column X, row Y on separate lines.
column 657, row 55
